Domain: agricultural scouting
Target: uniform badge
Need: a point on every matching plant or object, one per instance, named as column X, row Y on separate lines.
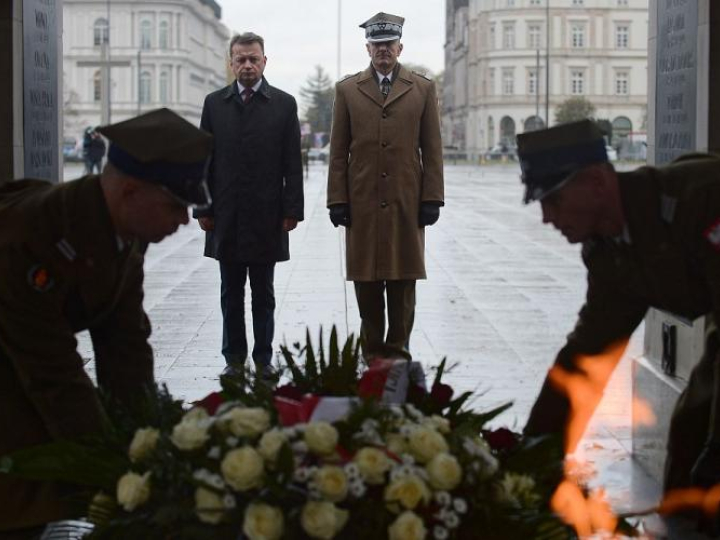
column 39, row 278
column 712, row 235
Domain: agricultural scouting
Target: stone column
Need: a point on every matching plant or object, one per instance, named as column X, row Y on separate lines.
column 30, row 96
column 683, row 116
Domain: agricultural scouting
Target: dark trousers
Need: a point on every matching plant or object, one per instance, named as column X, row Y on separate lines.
column 692, row 419
column 232, row 302
column 400, row 315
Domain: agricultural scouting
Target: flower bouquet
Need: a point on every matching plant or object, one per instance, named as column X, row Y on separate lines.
column 327, row 455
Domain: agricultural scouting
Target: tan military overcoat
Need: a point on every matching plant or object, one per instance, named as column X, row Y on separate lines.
column 385, row 158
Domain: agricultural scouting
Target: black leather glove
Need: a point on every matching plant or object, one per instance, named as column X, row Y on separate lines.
column 429, row 213
column 340, row 214
column 706, row 471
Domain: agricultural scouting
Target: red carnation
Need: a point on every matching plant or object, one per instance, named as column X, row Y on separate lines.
column 501, row 439
column 211, row 402
column 441, row 394
column 289, row 391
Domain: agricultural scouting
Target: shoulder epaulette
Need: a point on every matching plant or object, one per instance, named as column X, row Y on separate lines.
column 346, row 77
column 423, row 75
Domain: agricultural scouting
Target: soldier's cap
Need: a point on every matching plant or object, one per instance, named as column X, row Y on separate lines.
column 163, row 148
column 383, row 27
column 550, row 157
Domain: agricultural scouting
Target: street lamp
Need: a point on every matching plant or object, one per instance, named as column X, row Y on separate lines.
column 547, row 63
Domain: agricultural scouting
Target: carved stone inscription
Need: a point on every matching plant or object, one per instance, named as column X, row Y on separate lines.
column 40, row 85
column 675, row 111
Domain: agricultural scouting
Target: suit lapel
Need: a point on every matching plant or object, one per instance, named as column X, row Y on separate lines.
column 402, row 84
column 367, row 84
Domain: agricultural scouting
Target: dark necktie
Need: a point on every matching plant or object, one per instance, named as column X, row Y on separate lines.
column 247, row 94
column 385, row 87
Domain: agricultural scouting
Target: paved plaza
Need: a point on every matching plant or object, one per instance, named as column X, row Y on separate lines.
column 502, row 292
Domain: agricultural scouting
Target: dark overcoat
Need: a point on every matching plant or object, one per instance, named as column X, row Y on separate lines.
column 62, row 270
column 255, row 175
column 669, row 259
column 385, row 159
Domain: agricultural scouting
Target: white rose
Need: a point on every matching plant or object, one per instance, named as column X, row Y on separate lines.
column 263, row 522
column 322, row 519
column 396, row 443
column 408, row 490
column 133, row 490
column 517, row 490
column 332, row 483
column 373, row 464
column 242, row 468
column 425, row 444
column 270, row 444
column 407, row 526
column 144, row 441
column 246, row 421
column 192, row 432
column 321, row 437
column 444, row 472
column 195, row 414
column 209, row 506
column 438, row 423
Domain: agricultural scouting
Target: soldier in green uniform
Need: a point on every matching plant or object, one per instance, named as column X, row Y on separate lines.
column 71, row 259
column 650, row 238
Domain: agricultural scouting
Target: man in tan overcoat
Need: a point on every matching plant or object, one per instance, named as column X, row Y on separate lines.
column 385, row 183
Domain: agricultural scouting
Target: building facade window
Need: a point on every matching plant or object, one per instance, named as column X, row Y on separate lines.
column 509, row 36
column 577, row 36
column 101, row 32
column 164, row 35
column 491, row 82
column 622, row 3
column 534, row 36
column 510, row 3
column 145, row 35
column 491, row 132
column 622, row 36
column 164, row 87
column 97, row 86
column 532, row 80
column 535, row 2
column 491, row 37
column 577, row 82
column 622, row 83
column 145, row 87
column 578, row 2
column 508, row 81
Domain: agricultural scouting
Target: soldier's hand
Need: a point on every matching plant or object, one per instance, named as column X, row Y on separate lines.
column 340, row 214
column 289, row 224
column 706, row 471
column 429, row 213
column 206, row 223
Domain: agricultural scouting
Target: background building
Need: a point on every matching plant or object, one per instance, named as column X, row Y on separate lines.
column 160, row 52
column 495, row 69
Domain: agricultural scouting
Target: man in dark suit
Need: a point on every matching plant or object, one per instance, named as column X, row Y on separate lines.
column 256, row 183
column 71, row 259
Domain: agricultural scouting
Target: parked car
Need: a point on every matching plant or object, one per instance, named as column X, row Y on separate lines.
column 319, row 154
column 72, row 150
column 501, row 152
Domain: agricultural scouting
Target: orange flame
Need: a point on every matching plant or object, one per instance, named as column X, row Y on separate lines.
column 584, row 388
column 586, row 515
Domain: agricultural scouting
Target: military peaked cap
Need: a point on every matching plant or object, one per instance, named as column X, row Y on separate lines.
column 549, row 157
column 383, row 27
column 163, row 148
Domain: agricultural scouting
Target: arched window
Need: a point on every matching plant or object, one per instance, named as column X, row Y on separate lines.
column 507, row 130
column 97, row 86
column 164, row 35
column 533, row 123
column 621, row 128
column 145, row 34
column 101, row 32
column 164, row 87
column 145, row 87
column 491, row 132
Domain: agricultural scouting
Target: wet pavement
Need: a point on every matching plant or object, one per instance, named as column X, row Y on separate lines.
column 502, row 292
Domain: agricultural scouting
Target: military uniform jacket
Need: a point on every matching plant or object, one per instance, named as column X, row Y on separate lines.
column 62, row 271
column 385, row 158
column 255, row 175
column 671, row 262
